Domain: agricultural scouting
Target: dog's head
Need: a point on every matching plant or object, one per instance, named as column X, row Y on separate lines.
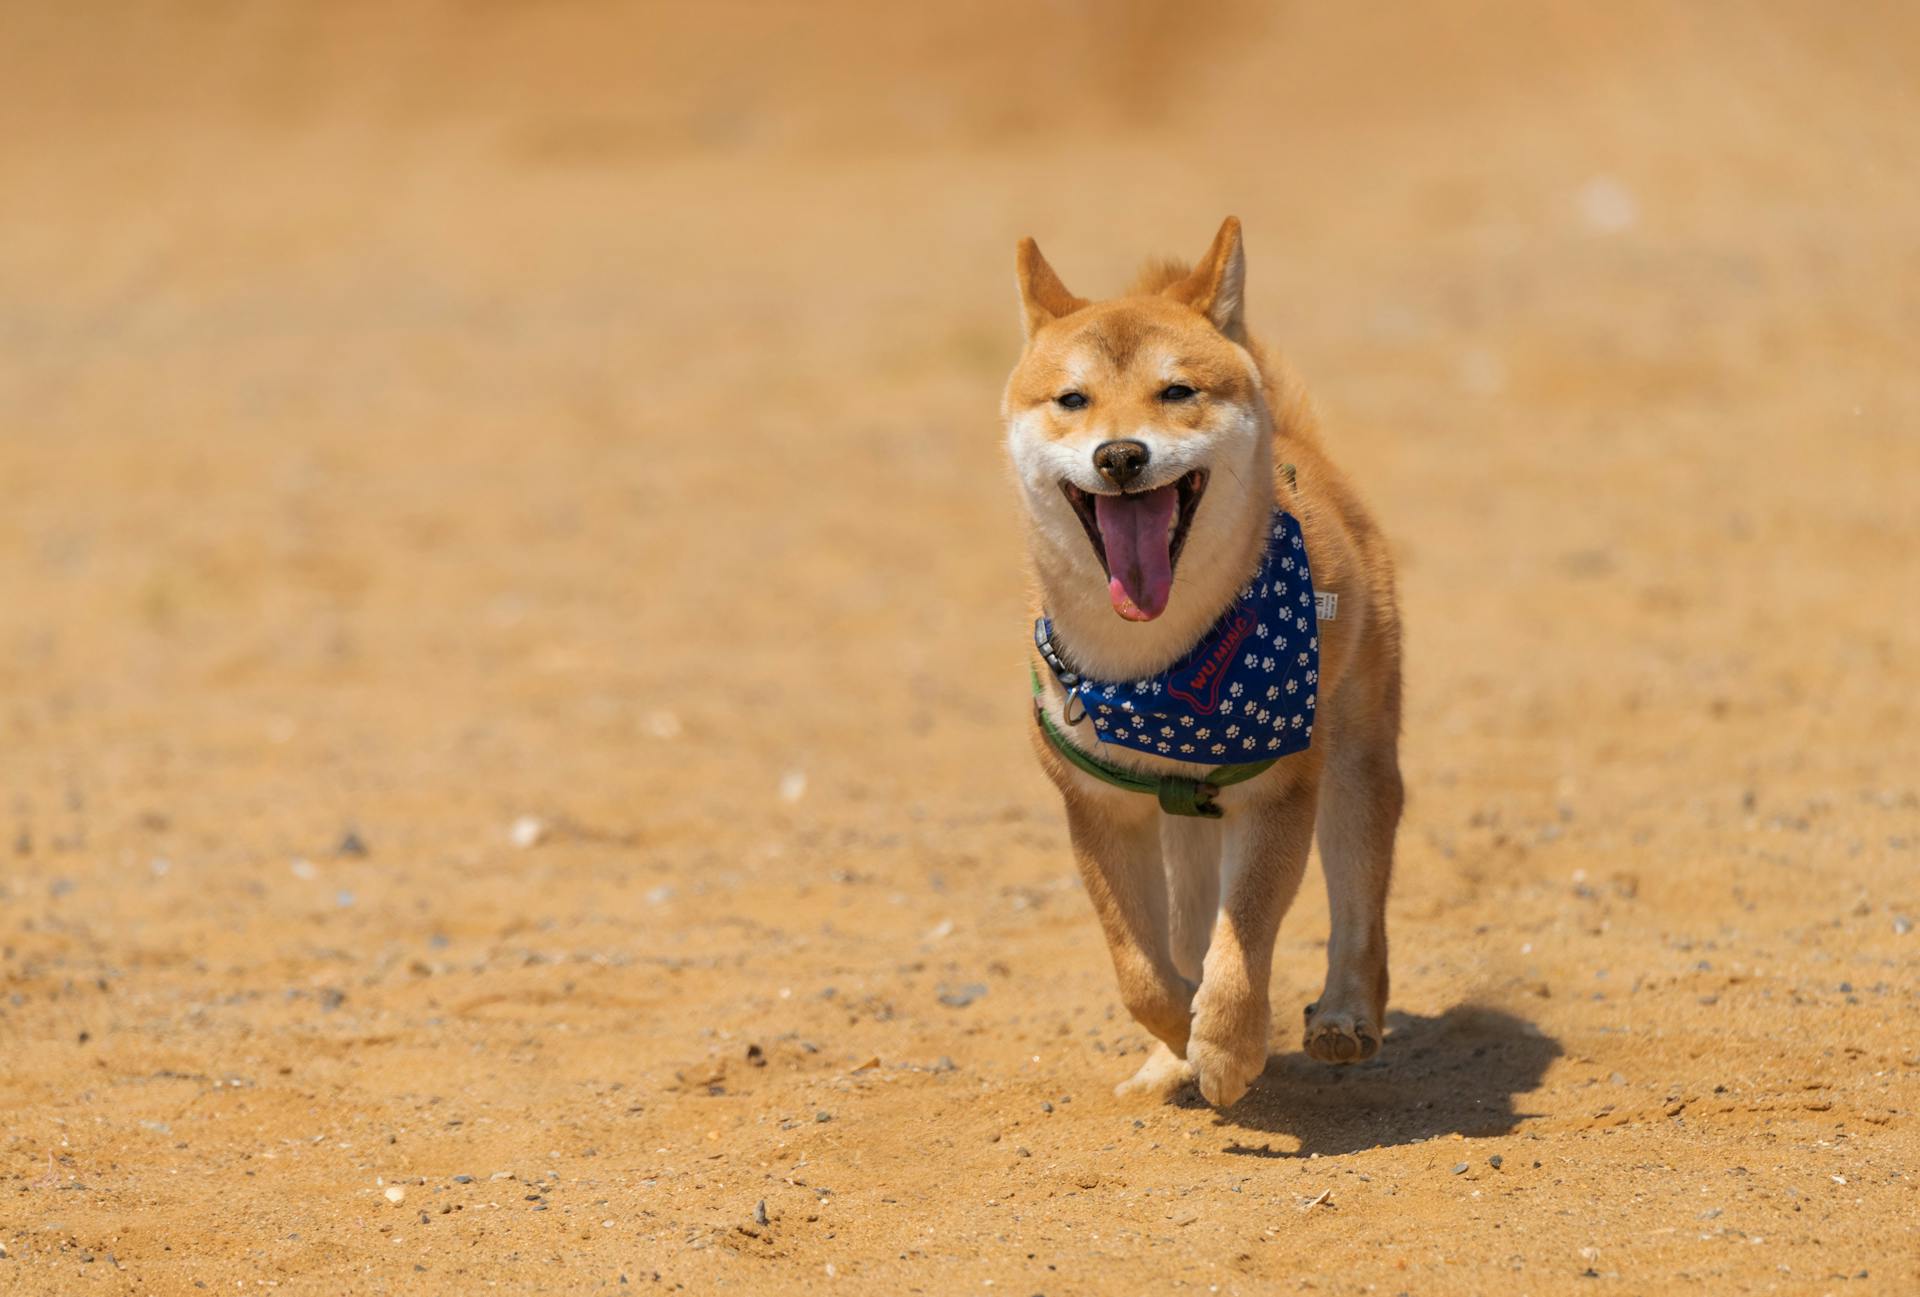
column 1139, row 431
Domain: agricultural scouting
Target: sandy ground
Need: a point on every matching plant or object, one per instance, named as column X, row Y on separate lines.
column 418, row 418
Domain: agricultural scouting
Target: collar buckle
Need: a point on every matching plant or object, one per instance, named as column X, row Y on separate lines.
column 1180, row 795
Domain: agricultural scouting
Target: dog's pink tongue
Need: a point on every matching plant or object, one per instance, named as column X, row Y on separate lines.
column 1138, row 533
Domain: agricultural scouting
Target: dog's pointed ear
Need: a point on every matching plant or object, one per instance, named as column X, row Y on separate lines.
column 1043, row 298
column 1217, row 287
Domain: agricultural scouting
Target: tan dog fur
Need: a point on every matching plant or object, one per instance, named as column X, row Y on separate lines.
column 1191, row 907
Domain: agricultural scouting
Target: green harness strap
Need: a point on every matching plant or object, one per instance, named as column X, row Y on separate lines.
column 1178, row 794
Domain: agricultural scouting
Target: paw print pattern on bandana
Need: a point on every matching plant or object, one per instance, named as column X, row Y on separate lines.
column 1206, row 707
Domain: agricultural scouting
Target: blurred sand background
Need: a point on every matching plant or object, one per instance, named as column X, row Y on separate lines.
column 423, row 420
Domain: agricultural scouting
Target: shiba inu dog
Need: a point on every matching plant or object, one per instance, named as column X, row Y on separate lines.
column 1199, row 716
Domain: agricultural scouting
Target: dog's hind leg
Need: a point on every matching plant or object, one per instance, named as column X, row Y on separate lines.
column 1360, row 802
column 1191, row 848
column 1160, row 1077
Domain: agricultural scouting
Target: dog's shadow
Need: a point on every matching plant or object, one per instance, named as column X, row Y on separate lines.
column 1459, row 1072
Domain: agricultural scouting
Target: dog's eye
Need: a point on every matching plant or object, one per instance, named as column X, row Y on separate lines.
column 1071, row 400
column 1175, row 392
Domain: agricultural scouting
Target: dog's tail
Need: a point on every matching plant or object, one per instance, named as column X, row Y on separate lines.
column 1157, row 275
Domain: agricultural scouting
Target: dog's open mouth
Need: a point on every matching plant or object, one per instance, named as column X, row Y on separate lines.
column 1138, row 536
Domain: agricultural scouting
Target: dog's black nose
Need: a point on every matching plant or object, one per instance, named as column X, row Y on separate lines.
column 1120, row 461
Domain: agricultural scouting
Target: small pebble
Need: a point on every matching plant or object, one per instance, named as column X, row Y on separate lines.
column 1606, row 205
column 351, row 844
column 396, row 1195
column 528, row 831
column 959, row 997
column 1046, row 1105
column 1495, row 1161
column 759, row 1213
column 463, row 1179
column 1460, row 1168
column 823, row 1115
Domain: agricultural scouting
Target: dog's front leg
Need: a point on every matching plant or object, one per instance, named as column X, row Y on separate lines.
column 1265, row 854
column 1116, row 843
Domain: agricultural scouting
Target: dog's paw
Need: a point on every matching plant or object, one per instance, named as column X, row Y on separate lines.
column 1224, row 1074
column 1160, row 1077
column 1227, row 1051
column 1340, row 1036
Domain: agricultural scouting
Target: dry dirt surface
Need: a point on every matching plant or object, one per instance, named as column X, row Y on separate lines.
column 513, row 704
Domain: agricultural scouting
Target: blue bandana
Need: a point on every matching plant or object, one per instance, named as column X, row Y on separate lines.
column 1244, row 693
